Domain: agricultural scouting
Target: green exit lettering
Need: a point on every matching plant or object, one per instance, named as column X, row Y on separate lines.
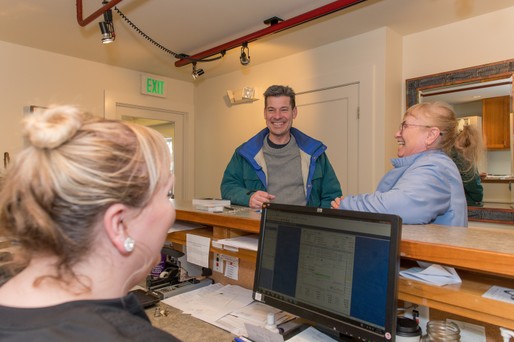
column 154, row 86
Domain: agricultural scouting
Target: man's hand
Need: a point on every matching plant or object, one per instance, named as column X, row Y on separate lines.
column 258, row 198
column 336, row 202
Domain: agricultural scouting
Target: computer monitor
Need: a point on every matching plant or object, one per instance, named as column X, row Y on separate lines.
column 335, row 268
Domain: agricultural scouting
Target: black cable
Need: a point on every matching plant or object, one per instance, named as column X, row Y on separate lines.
column 174, row 54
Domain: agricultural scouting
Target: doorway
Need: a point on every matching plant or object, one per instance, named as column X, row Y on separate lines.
column 171, row 125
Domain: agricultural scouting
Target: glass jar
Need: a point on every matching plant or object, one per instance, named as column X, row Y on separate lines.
column 441, row 331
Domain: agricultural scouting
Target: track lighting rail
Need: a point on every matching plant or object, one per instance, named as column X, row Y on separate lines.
column 94, row 15
column 273, row 28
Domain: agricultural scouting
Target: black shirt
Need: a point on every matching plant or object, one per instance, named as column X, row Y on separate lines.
column 121, row 319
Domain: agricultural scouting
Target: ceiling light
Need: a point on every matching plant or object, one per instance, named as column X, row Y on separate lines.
column 107, row 27
column 245, row 54
column 196, row 72
column 107, row 36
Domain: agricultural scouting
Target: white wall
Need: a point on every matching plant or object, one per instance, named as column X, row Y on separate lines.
column 35, row 77
column 480, row 40
column 220, row 128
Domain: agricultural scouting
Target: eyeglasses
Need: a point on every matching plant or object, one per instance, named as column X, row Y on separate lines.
column 405, row 125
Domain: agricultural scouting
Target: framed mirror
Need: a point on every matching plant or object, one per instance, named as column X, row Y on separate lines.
column 480, row 95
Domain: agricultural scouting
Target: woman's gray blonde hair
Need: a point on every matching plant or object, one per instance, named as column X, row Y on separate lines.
column 466, row 142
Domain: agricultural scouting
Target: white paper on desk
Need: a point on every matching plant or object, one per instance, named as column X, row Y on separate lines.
column 197, row 249
column 434, row 274
column 498, row 293
column 188, row 301
column 255, row 313
column 249, row 242
column 311, row 335
column 222, row 302
column 260, row 334
column 179, row 226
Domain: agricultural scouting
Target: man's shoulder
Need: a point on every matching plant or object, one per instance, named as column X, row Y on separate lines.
column 307, row 143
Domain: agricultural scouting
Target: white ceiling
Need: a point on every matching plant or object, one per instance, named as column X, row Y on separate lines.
column 193, row 26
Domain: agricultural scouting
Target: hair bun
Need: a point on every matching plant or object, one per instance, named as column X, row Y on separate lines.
column 52, row 127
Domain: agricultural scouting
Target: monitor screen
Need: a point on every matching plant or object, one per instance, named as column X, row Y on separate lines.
column 335, row 268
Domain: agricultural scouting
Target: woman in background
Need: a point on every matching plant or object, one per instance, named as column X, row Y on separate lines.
column 466, row 153
column 85, row 208
column 425, row 185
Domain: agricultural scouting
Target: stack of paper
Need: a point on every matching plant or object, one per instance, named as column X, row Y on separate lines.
column 183, row 225
column 249, row 242
column 433, row 274
column 211, row 204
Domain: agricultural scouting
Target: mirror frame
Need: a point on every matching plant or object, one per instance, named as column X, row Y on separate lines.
column 476, row 74
column 472, row 75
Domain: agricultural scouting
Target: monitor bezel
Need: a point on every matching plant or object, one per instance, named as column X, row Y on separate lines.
column 336, row 324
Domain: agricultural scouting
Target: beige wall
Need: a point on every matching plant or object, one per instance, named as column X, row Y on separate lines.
column 220, row 127
column 480, row 40
column 36, row 77
column 483, row 39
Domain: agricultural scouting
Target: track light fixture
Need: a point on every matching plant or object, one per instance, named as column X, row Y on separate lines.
column 107, row 27
column 196, row 72
column 245, row 54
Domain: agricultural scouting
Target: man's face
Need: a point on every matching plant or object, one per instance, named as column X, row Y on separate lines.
column 279, row 118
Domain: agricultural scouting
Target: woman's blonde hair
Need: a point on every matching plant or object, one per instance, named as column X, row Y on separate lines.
column 75, row 167
column 467, row 143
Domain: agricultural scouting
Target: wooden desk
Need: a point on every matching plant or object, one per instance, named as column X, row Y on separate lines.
column 483, row 257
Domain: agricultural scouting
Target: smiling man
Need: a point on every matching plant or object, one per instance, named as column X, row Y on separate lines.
column 280, row 163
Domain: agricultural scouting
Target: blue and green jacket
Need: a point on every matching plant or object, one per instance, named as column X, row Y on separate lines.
column 246, row 172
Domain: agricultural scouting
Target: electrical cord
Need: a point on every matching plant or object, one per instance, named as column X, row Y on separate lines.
column 174, row 54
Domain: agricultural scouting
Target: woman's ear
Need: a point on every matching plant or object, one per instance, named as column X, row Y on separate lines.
column 115, row 227
column 432, row 136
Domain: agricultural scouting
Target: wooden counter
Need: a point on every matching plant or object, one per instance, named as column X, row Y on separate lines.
column 482, row 256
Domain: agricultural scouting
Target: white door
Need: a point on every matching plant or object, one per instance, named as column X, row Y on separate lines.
column 176, row 119
column 331, row 115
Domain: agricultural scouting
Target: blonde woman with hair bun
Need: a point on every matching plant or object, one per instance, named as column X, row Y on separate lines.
column 86, row 209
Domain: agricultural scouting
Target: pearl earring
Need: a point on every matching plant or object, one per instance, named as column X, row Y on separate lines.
column 129, row 244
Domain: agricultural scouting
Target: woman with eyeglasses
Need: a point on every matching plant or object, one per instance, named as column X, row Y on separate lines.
column 425, row 185
column 86, row 210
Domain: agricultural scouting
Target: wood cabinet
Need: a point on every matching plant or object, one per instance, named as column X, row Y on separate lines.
column 495, row 122
column 483, row 257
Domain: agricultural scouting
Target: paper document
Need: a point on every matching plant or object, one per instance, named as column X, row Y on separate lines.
column 311, row 334
column 254, row 314
column 228, row 307
column 181, row 225
column 219, row 303
column 187, row 301
column 433, row 274
column 197, row 249
column 214, row 205
column 503, row 294
column 211, row 201
column 250, row 242
column 257, row 333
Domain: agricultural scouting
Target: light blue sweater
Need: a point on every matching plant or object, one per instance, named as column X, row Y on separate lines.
column 422, row 188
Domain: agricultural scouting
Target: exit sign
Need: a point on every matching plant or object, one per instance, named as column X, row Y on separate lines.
column 152, row 85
